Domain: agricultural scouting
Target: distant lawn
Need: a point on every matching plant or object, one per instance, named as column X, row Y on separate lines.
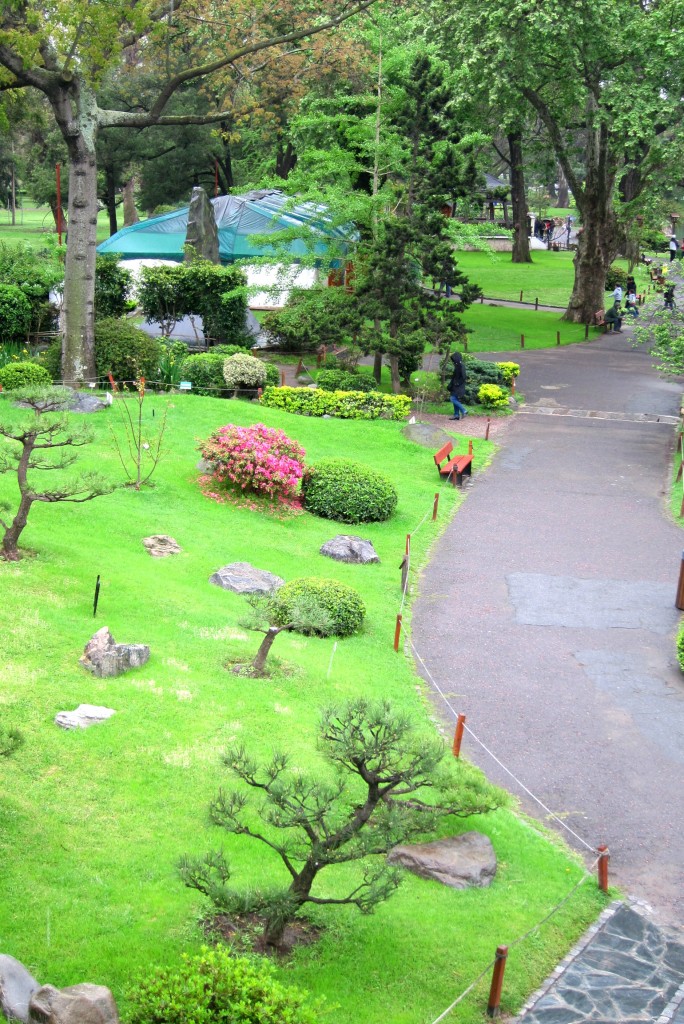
column 32, row 223
column 92, row 823
column 498, row 328
column 549, row 277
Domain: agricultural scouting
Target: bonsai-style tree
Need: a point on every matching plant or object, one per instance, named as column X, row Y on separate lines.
column 382, row 765
column 304, row 616
column 44, row 440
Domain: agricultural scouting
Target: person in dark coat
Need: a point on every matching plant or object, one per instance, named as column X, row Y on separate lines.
column 456, row 387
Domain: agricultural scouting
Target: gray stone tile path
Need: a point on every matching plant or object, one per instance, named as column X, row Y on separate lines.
column 625, row 970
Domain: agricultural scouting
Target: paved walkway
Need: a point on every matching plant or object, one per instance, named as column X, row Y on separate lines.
column 556, row 584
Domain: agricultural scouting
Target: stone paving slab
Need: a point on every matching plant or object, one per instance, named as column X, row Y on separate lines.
column 625, row 969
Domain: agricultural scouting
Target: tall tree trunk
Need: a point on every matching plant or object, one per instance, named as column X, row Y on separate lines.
column 563, row 199
column 130, row 212
column 286, row 158
column 377, row 366
column 110, row 183
column 521, row 244
column 78, row 344
column 596, row 250
column 394, row 373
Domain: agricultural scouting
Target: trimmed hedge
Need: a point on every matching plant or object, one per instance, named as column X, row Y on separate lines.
column 125, row 351
column 342, row 603
column 350, row 405
column 242, row 372
column 343, row 380
column 348, row 492
column 205, row 371
column 23, row 375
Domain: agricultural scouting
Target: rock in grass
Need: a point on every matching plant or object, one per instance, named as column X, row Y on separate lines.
column 76, row 1004
column 426, row 434
column 16, row 988
column 160, row 545
column 243, row 578
column 457, row 861
column 346, row 548
column 103, row 657
column 83, row 717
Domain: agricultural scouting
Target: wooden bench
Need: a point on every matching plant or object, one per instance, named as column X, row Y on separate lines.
column 600, row 320
column 454, row 467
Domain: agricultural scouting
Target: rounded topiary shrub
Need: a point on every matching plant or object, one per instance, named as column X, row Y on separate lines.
column 24, row 375
column 255, row 459
column 272, row 376
column 15, row 313
column 348, row 492
column 243, row 372
column 125, row 351
column 341, row 606
column 343, row 380
column 510, row 371
column 615, row 276
column 205, row 371
column 491, row 396
column 213, row 987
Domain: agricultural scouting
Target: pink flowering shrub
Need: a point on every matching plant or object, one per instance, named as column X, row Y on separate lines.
column 255, row 460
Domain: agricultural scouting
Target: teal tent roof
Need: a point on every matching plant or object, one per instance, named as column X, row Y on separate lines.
column 237, row 217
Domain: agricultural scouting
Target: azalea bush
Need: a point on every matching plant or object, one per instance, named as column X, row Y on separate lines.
column 256, row 460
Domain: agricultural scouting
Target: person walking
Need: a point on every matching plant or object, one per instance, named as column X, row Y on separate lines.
column 674, row 246
column 456, row 387
column 617, row 294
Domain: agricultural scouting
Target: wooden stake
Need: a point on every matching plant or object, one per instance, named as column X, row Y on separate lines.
column 300, row 368
column 586, row 331
column 558, row 337
column 458, row 735
column 397, row 633
column 604, row 857
column 435, row 506
column 494, row 1004
column 536, row 304
column 404, row 572
column 521, row 296
column 470, row 447
column 489, row 421
column 408, row 543
column 282, row 378
column 522, row 341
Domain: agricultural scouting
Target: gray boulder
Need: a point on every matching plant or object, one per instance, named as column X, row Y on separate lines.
column 457, row 861
column 83, row 717
column 426, row 434
column 202, row 232
column 160, row 545
column 243, row 578
column 16, row 988
column 75, row 401
column 77, row 1004
column 103, row 657
column 345, row 548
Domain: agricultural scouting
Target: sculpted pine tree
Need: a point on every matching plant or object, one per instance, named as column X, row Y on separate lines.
column 42, row 440
column 382, row 768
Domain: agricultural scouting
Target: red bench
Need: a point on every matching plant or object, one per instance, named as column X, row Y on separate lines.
column 454, row 467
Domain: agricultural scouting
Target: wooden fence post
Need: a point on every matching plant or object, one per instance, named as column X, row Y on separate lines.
column 458, row 735
column 397, row 632
column 522, row 341
column 494, row 1004
column 604, row 857
column 489, row 421
column 558, row 337
column 435, row 506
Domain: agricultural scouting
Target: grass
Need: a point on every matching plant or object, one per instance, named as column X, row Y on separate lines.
column 498, row 329
column 34, row 222
column 92, row 823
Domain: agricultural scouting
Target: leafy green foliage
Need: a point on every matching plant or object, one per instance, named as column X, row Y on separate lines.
column 479, row 372
column 112, row 287
column 680, row 648
column 313, row 317
column 509, row 371
column 205, row 371
column 23, row 375
column 242, row 371
column 615, row 276
column 341, row 605
column 348, row 492
column 36, row 271
column 200, row 288
column 15, row 313
column 352, row 405
column 342, row 380
column 491, row 396
column 216, row 987
column 665, row 336
column 171, row 363
column 125, row 351
column 51, row 359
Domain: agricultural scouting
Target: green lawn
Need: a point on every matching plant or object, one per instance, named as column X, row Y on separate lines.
column 32, row 223
column 92, row 823
column 498, row 328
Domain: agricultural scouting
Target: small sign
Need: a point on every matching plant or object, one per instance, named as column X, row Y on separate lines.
column 185, row 385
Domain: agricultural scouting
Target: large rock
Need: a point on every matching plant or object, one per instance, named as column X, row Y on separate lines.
column 103, row 657
column 16, row 988
column 202, row 232
column 83, row 717
column 77, row 1004
column 75, row 401
column 243, row 578
column 160, row 545
column 426, row 435
column 345, row 548
column 457, row 861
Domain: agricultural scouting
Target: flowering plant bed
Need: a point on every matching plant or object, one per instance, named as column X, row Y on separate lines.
column 254, row 460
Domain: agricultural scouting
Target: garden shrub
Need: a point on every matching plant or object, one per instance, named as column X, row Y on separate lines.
column 242, row 372
column 680, row 647
column 615, row 276
column 216, row 987
column 255, row 459
column 492, row 396
column 51, row 359
column 205, row 371
column 348, row 492
column 125, row 351
column 479, row 372
column 313, row 317
column 343, row 606
column 36, row 271
column 350, row 405
column 204, row 289
column 171, row 363
column 509, row 371
column 113, row 285
column 24, row 375
column 428, row 387
column 272, row 376
column 343, row 380
column 15, row 313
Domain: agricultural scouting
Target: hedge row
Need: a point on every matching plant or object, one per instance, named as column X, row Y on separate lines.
column 350, row 405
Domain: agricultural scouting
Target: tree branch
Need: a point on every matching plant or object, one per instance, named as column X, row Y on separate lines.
column 535, row 100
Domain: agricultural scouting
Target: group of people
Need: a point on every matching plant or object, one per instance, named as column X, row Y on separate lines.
column 676, row 250
column 616, row 314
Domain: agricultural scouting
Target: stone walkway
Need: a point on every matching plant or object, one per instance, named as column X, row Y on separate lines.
column 624, row 970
